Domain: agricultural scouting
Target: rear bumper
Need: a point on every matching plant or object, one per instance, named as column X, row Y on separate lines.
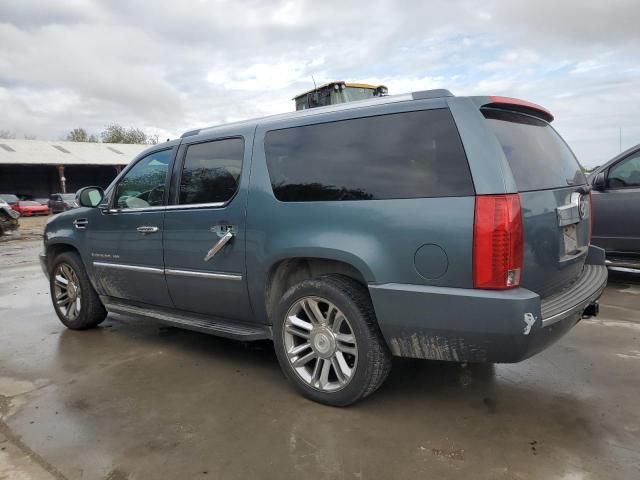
column 468, row 325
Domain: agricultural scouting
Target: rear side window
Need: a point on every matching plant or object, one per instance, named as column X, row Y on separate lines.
column 538, row 157
column 403, row 155
column 211, row 171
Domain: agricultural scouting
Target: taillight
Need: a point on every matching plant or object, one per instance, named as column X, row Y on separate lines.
column 497, row 242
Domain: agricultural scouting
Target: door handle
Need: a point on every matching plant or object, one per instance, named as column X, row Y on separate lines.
column 147, row 229
column 80, row 223
column 218, row 246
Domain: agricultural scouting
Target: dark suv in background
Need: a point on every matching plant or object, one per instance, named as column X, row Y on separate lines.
column 616, row 204
column 420, row 225
column 61, row 202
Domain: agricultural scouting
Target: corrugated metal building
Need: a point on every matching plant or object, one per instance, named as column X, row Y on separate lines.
column 40, row 168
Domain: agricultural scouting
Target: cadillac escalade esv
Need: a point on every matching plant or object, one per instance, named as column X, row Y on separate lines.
column 419, row 225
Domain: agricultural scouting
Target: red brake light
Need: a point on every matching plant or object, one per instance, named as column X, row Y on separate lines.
column 518, row 104
column 497, row 242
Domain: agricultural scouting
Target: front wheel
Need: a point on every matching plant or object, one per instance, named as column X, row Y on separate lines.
column 328, row 341
column 74, row 299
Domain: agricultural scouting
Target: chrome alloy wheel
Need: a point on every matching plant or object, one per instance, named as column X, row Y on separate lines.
column 67, row 292
column 320, row 344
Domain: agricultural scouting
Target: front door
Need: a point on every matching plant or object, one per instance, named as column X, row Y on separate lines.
column 125, row 239
column 617, row 208
column 204, row 228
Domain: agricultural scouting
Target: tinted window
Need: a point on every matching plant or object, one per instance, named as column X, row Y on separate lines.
column 143, row 186
column 625, row 173
column 537, row 155
column 404, row 155
column 211, row 171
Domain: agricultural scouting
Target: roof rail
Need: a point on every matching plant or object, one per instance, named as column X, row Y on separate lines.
column 190, row 133
column 428, row 94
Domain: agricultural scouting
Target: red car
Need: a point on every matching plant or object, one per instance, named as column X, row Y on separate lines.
column 28, row 208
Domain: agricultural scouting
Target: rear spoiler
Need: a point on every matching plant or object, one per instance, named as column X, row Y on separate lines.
column 514, row 104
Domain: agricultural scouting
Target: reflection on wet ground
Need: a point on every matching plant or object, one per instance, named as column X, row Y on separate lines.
column 136, row 400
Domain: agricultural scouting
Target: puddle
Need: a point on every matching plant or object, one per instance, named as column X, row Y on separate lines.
column 632, row 354
column 631, row 290
column 613, row 323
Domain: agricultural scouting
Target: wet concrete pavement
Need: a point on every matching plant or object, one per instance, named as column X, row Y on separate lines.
column 136, row 400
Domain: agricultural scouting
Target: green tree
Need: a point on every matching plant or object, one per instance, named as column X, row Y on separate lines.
column 80, row 135
column 115, row 133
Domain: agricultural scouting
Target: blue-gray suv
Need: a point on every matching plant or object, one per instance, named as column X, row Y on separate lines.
column 421, row 225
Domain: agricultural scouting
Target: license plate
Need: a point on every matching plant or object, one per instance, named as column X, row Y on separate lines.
column 570, row 233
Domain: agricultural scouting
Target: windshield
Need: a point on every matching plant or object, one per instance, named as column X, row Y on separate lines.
column 29, row 203
column 68, row 197
column 351, row 94
column 539, row 158
column 9, row 197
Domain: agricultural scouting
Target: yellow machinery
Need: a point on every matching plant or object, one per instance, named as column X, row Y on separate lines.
column 338, row 92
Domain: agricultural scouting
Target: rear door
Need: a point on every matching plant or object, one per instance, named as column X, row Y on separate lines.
column 617, row 208
column 553, row 196
column 204, row 228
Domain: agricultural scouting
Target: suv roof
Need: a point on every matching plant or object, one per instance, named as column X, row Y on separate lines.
column 496, row 102
column 403, row 97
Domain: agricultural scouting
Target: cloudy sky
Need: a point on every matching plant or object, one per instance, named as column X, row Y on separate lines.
column 171, row 66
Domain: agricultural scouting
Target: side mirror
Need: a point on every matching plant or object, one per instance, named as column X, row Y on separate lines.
column 89, row 196
column 599, row 182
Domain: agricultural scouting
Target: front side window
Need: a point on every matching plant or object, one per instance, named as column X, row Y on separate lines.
column 626, row 173
column 401, row 155
column 143, row 186
column 211, row 172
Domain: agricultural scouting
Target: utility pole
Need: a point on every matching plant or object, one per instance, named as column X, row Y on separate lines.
column 620, row 139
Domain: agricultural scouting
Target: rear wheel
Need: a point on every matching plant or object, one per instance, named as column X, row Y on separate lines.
column 74, row 299
column 328, row 342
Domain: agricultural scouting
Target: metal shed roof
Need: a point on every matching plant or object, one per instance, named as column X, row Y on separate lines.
column 37, row 152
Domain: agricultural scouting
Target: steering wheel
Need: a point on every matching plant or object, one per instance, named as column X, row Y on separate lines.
column 156, row 195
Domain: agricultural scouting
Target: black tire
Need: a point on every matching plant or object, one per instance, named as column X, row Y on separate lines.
column 373, row 356
column 91, row 312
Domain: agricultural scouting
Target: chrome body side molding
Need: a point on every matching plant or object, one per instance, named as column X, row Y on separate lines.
column 169, row 271
column 192, row 273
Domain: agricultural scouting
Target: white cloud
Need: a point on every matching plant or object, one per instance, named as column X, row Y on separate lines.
column 184, row 65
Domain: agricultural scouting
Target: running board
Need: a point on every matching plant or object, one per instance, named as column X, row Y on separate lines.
column 624, row 264
column 198, row 323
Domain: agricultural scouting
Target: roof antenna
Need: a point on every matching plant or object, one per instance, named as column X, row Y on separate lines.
column 315, row 87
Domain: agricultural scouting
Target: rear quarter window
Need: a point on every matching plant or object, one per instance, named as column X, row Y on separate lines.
column 539, row 158
column 403, row 155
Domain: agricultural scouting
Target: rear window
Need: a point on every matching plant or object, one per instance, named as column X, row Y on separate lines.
column 403, row 155
column 538, row 157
